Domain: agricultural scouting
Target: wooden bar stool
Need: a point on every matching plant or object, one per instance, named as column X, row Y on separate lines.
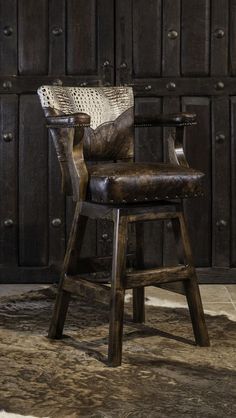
column 97, row 124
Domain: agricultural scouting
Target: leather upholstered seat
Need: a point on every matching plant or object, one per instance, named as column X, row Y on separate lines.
column 141, row 182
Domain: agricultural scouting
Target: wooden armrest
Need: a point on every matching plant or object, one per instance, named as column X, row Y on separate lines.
column 172, row 119
column 67, row 132
column 175, row 139
column 68, row 121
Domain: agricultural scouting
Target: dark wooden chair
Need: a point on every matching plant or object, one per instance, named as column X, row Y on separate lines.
column 97, row 124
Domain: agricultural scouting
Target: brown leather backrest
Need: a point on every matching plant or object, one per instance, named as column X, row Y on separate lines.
column 110, row 135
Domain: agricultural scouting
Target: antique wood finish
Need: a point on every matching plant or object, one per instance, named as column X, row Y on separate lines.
column 191, row 285
column 91, row 291
column 139, row 292
column 63, row 296
column 117, row 290
column 70, row 132
column 155, row 276
column 153, row 49
column 122, row 279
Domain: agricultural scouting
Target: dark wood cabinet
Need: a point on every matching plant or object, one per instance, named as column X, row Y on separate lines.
column 176, row 55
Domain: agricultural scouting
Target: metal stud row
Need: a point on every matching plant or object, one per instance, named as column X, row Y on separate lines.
column 199, row 194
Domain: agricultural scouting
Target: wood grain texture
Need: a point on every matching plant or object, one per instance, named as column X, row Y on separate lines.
column 105, row 13
column 35, row 50
column 200, row 226
column 191, row 285
column 56, row 211
column 57, row 37
column 221, row 183
column 117, row 290
column 124, row 48
column 146, row 26
column 172, row 105
column 149, row 147
column 81, row 42
column 233, row 181
column 195, row 38
column 33, row 37
column 91, row 291
column 219, row 37
column 139, row 292
column 8, row 181
column 33, row 184
column 63, row 296
column 8, row 37
column 155, row 276
column 171, row 44
column 232, row 37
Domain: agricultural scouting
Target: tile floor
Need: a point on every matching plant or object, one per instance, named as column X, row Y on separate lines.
column 217, row 299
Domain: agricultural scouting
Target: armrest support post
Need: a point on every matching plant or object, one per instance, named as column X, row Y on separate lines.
column 67, row 132
column 175, row 140
column 175, row 144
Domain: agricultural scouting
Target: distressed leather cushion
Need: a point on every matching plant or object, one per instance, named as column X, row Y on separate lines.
column 141, row 182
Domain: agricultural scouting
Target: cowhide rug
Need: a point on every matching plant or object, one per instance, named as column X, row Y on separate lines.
column 4, row 414
column 163, row 373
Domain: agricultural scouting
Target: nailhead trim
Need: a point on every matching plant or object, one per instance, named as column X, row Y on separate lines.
column 68, row 125
column 155, row 198
column 174, row 125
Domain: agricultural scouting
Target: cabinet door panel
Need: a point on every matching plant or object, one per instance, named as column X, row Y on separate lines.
column 219, row 37
column 8, row 179
column 81, row 52
column 90, row 38
column 33, row 37
column 198, row 150
column 44, row 42
column 195, row 37
column 192, row 71
column 147, row 38
column 220, row 182
column 33, row 184
column 233, row 181
column 8, row 37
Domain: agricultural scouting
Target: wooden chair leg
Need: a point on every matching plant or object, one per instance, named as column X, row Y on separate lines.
column 196, row 312
column 59, row 314
column 191, row 286
column 117, row 290
column 139, row 292
column 63, row 297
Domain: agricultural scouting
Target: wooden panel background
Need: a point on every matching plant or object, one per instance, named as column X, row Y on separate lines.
column 61, row 42
column 178, row 55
